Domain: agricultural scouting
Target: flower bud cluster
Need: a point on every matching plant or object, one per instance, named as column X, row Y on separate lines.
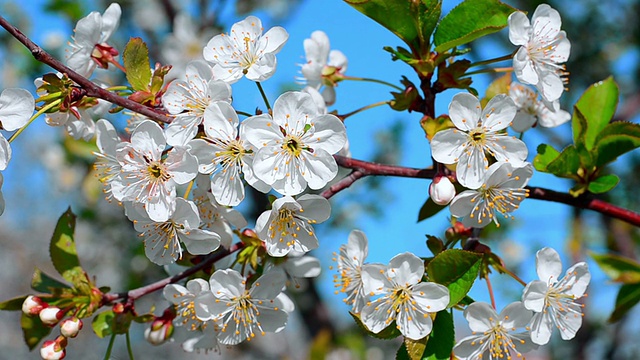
column 51, row 316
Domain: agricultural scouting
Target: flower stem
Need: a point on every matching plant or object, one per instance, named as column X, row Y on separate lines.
column 373, row 81
column 514, row 276
column 370, row 106
column 494, row 60
column 129, row 350
column 489, row 71
column 189, row 187
column 107, row 356
column 118, row 88
column 490, row 288
column 118, row 65
column 264, row 96
column 243, row 113
column 40, row 112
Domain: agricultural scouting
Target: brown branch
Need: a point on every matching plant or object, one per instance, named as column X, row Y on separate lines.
column 369, row 168
column 147, row 289
column 92, row 89
column 343, row 184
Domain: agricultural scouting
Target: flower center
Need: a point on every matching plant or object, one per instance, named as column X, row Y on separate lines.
column 293, row 145
column 157, row 172
column 500, row 343
column 477, row 136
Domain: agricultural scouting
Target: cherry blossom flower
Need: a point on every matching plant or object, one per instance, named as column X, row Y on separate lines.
column 318, row 71
column 16, row 107
column 243, row 312
column 224, row 154
column 532, row 112
column 350, row 267
column 183, row 45
column 162, row 239
column 295, row 146
column 543, row 48
column 495, row 334
column 553, row 300
column 149, row 178
column 189, row 100
column 106, row 165
column 213, row 216
column 441, row 190
column 295, row 266
column 245, row 51
column 90, row 40
column 287, row 226
column 405, row 299
column 478, row 132
column 502, row 192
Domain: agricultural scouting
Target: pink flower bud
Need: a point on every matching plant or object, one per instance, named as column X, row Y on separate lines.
column 159, row 331
column 54, row 349
column 51, row 315
column 71, row 327
column 32, row 305
column 442, row 190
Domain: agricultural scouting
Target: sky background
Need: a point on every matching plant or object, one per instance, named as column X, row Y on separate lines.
column 537, row 223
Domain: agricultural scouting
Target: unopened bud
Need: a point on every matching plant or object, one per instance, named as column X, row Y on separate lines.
column 442, row 190
column 159, row 331
column 54, row 349
column 71, row 327
column 51, row 315
column 32, row 305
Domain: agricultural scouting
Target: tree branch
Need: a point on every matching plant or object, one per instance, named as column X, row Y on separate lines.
column 92, row 89
column 147, row 289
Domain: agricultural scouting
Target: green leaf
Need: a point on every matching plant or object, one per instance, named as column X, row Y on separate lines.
column 455, row 269
column 546, row 154
column 44, row 283
column 103, row 323
column 136, row 62
column 14, row 304
column 403, row 22
column 470, row 20
column 628, row 297
column 63, row 249
column 33, row 330
column 388, row 333
column 616, row 139
column 618, row 268
column 428, row 209
column 428, row 16
column 603, row 183
column 566, row 164
column 441, row 339
column 435, row 244
column 415, row 348
column 597, row 105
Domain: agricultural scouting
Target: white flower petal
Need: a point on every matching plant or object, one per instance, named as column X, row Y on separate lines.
column 548, row 265
column 16, row 107
column 464, row 111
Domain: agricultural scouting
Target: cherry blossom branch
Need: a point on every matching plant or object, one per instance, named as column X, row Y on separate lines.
column 583, row 202
column 91, row 88
column 158, row 285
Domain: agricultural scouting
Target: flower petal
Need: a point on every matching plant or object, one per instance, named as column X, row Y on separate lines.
column 464, row 111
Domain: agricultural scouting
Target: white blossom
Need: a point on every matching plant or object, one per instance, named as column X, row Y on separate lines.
column 295, row 147
column 553, row 300
column 495, row 335
column 478, row 132
column 441, row 190
column 543, row 48
column 162, row 239
column 501, row 192
column 225, row 154
column 92, row 30
column 189, row 100
column 288, row 225
column 240, row 310
column 532, row 112
column 404, row 298
column 183, row 45
column 106, row 165
column 148, row 177
column 245, row 51
column 323, row 67
column 16, row 107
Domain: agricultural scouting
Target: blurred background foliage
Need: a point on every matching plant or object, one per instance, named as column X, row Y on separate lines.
column 50, row 171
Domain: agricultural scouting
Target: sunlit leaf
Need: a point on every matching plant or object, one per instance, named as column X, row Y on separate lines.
column 597, row 105
column 603, row 183
column 136, row 62
column 455, row 269
column 62, row 249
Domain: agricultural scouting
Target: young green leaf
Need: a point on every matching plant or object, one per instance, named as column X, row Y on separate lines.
column 33, row 330
column 616, row 139
column 415, row 348
column 14, row 304
column 403, row 22
column 388, row 333
column 455, row 269
column 566, row 164
column 442, row 338
column 428, row 16
column 618, row 268
column 628, row 297
column 546, row 155
column 103, row 323
column 44, row 283
column 603, row 183
column 597, row 105
column 428, row 209
column 136, row 62
column 470, row 20
column 62, row 249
